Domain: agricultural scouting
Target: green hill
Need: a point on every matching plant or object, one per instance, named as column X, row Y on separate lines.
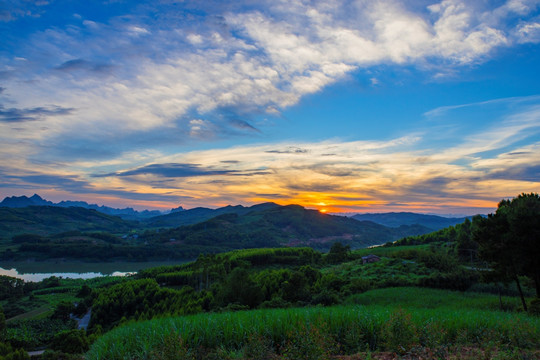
column 275, row 225
column 45, row 232
column 396, row 219
column 49, row 220
column 199, row 214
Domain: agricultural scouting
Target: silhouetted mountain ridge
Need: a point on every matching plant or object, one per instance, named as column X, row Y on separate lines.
column 36, row 200
column 199, row 214
column 267, row 225
column 396, row 219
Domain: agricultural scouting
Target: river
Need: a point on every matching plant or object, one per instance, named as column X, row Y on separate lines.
column 34, row 271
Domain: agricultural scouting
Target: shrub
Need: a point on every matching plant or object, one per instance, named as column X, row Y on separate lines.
column 71, row 342
column 534, row 307
column 19, row 354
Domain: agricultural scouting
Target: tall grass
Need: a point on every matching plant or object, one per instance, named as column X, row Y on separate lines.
column 348, row 327
column 421, row 298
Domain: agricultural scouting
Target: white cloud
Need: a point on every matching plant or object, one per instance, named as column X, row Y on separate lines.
column 259, row 61
column 138, row 30
column 529, row 32
column 195, row 39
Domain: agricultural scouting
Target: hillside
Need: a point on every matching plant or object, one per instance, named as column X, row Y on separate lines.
column 397, row 219
column 276, row 225
column 82, row 234
column 48, row 220
column 200, row 214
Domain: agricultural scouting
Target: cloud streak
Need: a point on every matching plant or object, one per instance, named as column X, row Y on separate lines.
column 14, row 115
column 170, row 170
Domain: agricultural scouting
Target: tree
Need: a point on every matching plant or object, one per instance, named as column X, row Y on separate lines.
column 510, row 240
column 2, row 324
column 71, row 341
column 338, row 253
column 63, row 311
column 240, row 288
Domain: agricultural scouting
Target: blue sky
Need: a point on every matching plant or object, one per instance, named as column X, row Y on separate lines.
column 344, row 106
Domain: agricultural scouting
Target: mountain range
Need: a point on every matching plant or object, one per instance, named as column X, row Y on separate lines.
column 180, row 216
column 49, row 232
column 270, row 224
column 50, row 220
column 397, row 219
column 36, row 200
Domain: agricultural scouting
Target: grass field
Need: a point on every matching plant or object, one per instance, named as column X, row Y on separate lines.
column 397, row 319
column 423, row 298
column 33, row 314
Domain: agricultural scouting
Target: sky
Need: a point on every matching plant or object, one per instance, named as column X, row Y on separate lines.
column 336, row 105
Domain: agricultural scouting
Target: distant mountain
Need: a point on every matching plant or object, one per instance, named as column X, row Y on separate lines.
column 268, row 225
column 79, row 233
column 24, row 201
column 397, row 219
column 36, row 200
column 192, row 216
column 49, row 220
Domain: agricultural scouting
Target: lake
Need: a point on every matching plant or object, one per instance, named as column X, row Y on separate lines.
column 38, row 270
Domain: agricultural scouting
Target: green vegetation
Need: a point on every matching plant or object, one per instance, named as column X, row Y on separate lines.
column 45, row 232
column 509, row 238
column 48, row 220
column 336, row 330
column 38, row 314
column 455, row 293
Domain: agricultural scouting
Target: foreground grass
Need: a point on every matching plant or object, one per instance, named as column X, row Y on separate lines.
column 318, row 332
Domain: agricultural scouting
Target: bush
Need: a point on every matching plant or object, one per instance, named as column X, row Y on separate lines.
column 71, row 342
column 19, row 354
column 326, row 298
column 63, row 311
column 534, row 307
column 459, row 280
column 59, row 355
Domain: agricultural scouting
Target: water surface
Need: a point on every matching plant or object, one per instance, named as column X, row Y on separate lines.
column 38, row 270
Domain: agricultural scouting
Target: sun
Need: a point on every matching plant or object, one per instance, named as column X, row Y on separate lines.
column 322, row 209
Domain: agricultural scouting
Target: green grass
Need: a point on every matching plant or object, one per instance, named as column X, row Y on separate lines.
column 431, row 317
column 33, row 314
column 424, row 298
column 387, row 251
column 387, row 272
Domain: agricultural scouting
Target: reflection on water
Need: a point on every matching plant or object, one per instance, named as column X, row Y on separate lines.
column 35, row 277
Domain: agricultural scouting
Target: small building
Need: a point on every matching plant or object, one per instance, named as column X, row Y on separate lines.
column 370, row 259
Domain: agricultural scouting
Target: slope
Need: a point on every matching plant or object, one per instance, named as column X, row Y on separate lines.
column 48, row 220
column 276, row 225
column 396, row 219
column 199, row 214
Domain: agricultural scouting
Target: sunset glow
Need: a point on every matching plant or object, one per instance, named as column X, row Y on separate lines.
column 340, row 107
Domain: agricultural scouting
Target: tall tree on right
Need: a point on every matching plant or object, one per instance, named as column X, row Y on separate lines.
column 510, row 240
